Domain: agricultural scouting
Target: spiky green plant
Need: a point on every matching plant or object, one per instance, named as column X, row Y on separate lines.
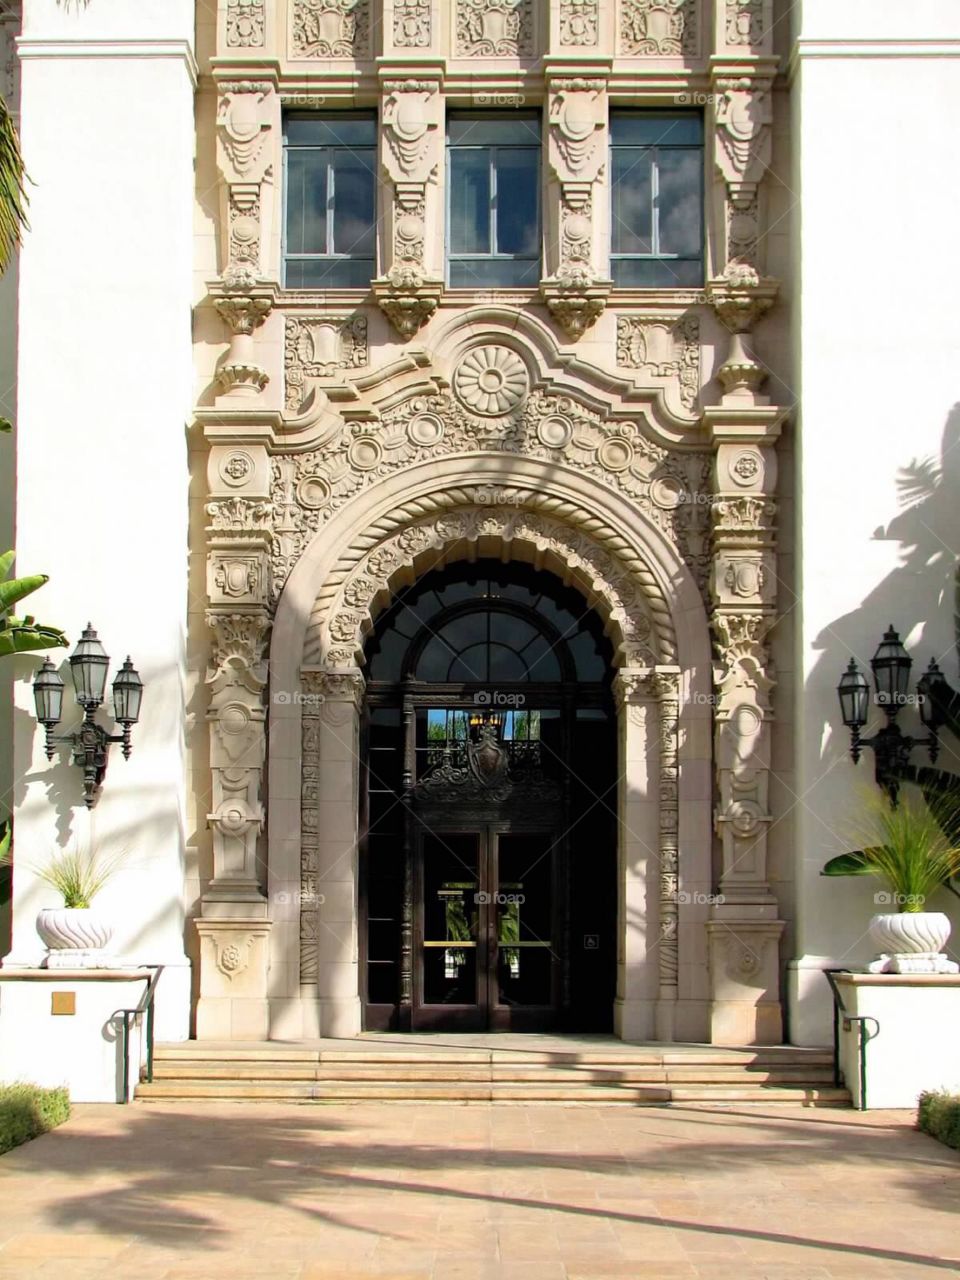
column 13, row 194
column 909, row 850
column 77, row 877
column 23, row 635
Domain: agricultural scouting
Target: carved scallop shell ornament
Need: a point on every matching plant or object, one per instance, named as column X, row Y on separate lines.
column 490, row 380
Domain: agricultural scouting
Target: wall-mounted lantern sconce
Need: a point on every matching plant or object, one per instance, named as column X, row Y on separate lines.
column 91, row 743
column 891, row 675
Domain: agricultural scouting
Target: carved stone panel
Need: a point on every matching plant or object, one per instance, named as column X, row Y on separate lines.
column 330, row 29
column 658, row 28
column 579, row 23
column 244, row 25
column 746, row 22
column 411, row 24
column 663, row 347
column 494, row 28
column 320, row 347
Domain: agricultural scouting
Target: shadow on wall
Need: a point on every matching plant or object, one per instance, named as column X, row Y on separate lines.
column 919, row 598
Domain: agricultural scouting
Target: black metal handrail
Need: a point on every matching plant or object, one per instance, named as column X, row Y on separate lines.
column 132, row 1017
column 863, row 1035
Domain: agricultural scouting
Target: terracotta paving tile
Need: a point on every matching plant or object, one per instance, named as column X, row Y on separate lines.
column 435, row 1193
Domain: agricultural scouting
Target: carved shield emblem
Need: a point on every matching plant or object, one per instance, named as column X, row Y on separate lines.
column 487, row 758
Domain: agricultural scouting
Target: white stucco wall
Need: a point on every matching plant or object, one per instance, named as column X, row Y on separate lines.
column 103, row 403
column 878, row 333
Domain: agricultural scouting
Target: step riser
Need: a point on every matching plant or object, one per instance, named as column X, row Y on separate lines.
column 634, row 1097
column 496, row 1076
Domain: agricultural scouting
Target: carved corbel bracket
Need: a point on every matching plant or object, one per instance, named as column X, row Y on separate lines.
column 740, row 298
column 407, row 297
column 744, row 120
column 243, row 303
column 575, row 299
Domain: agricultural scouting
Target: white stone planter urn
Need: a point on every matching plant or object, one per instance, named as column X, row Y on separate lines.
column 75, row 936
column 911, row 942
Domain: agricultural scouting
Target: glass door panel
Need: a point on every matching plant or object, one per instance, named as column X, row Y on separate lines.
column 451, row 900
column 525, row 924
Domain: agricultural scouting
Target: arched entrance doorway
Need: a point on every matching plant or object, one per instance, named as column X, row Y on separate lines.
column 488, row 806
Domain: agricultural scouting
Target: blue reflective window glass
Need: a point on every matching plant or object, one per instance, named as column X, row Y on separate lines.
column 493, row 180
column 330, row 201
column 656, row 199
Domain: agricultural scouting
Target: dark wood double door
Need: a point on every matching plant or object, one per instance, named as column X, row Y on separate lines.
column 486, row 929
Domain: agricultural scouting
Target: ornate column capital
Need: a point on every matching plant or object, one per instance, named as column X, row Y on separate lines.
column 335, row 686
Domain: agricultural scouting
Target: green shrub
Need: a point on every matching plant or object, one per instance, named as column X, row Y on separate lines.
column 939, row 1115
column 26, row 1111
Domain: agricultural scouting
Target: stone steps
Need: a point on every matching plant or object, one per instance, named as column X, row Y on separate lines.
column 666, row 1075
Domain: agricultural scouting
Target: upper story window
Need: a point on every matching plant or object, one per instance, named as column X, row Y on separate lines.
column 330, row 164
column 493, row 182
column 657, row 199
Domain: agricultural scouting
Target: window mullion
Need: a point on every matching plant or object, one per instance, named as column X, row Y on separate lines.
column 655, row 197
column 328, row 164
column 492, row 227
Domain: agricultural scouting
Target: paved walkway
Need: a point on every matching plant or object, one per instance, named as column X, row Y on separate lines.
column 300, row 1192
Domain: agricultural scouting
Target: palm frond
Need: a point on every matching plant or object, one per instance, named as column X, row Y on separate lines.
column 13, row 193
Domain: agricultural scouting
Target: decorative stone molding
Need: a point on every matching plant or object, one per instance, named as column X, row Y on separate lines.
column 632, row 687
column 334, row 700
column 575, row 294
column 494, row 29
column 579, row 23
column 239, row 640
column 575, row 300
column 663, row 347
column 241, row 518
column 669, row 486
column 594, row 537
column 410, row 120
column 658, row 28
column 412, row 24
column 744, row 120
column 491, row 380
column 243, row 123
column 408, row 294
column 243, row 305
column 244, row 24
column 743, row 587
column 330, row 29
column 739, row 299
column 342, row 628
column 748, row 23
column 320, row 346
column 407, row 298
column 233, row 978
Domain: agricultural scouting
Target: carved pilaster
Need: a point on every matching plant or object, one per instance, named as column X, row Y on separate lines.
column 633, row 689
column 237, row 750
column 745, row 927
column 248, row 114
column 410, row 290
column 576, row 289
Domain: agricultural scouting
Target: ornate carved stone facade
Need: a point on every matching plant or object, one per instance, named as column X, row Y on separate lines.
column 361, row 435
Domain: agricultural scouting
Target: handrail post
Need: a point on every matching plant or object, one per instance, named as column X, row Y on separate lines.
column 863, row 1035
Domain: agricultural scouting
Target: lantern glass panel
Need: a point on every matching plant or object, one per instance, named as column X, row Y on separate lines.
column 127, row 694
column 88, row 664
column 854, row 694
column 48, row 694
column 891, row 671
